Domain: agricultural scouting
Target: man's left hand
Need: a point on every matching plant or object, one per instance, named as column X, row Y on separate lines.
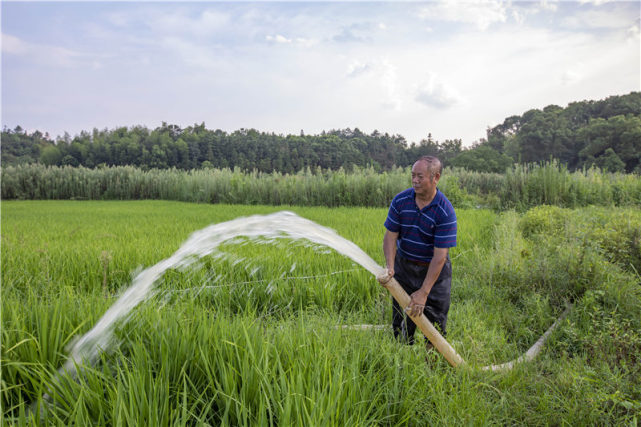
column 417, row 303
column 385, row 276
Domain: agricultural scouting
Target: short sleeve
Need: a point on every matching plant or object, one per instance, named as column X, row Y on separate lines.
column 393, row 223
column 445, row 231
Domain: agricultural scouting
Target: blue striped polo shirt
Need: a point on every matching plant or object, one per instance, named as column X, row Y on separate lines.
column 421, row 230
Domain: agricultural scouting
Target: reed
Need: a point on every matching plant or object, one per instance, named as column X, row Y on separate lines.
column 521, row 187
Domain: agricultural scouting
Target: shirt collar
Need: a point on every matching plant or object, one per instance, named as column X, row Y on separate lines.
column 437, row 198
column 434, row 201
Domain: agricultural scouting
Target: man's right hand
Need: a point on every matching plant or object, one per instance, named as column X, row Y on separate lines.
column 385, row 276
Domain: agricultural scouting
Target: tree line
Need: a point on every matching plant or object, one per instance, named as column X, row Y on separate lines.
column 605, row 134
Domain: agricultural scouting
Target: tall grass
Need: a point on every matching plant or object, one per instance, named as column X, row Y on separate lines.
column 521, row 187
column 251, row 340
column 528, row 186
column 307, row 188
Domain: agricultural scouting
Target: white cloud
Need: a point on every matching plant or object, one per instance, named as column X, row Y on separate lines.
column 357, row 68
column 278, row 38
column 481, row 13
column 434, row 93
column 298, row 41
column 14, row 45
column 211, row 19
column 179, row 21
column 41, row 53
column 595, row 2
column 551, row 5
column 571, row 76
column 349, row 35
column 612, row 18
column 633, row 33
column 304, row 42
column 389, row 82
column 360, row 31
column 518, row 17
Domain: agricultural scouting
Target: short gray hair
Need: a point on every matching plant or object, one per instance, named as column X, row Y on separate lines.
column 434, row 165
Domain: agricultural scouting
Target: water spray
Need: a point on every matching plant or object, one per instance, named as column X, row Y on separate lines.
column 260, row 228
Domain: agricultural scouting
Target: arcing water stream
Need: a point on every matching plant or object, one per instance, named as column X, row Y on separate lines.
column 206, row 242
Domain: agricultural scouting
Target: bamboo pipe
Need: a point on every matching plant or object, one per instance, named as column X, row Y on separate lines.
column 425, row 325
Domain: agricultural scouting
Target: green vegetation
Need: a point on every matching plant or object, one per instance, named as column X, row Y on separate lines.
column 604, row 134
column 521, row 187
column 255, row 343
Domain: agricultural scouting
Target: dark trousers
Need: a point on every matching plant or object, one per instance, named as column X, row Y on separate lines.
column 411, row 276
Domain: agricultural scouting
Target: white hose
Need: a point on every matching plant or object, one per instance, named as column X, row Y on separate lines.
column 526, row 357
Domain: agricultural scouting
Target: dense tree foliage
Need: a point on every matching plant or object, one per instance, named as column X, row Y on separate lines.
column 606, row 134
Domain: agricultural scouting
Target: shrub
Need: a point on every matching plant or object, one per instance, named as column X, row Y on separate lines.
column 548, row 220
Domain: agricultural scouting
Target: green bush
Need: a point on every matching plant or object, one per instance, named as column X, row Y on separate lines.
column 619, row 236
column 548, row 220
column 459, row 198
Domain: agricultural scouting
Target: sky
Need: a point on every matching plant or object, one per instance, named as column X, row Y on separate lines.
column 451, row 69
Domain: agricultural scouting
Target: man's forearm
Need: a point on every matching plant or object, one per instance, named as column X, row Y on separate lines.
column 389, row 248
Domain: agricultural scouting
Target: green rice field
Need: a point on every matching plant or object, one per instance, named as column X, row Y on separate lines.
column 254, row 338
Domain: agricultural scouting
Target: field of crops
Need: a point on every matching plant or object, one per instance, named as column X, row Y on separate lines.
column 251, row 338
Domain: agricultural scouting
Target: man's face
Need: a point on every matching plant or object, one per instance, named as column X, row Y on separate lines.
column 422, row 181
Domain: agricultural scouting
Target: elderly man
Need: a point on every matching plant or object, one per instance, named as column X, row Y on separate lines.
column 421, row 227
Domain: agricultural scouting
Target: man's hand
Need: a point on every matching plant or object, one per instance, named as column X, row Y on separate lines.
column 417, row 303
column 385, row 276
column 389, row 249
